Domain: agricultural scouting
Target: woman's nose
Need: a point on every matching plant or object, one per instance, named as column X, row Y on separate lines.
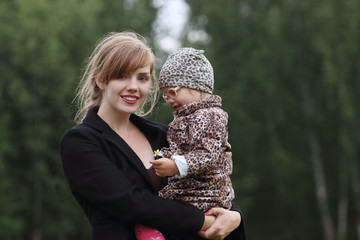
column 132, row 84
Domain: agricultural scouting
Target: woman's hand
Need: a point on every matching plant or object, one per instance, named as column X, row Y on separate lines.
column 209, row 220
column 226, row 221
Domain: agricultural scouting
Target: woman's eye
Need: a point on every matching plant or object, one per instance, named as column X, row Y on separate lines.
column 145, row 78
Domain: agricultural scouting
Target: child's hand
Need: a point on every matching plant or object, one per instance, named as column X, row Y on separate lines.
column 165, row 167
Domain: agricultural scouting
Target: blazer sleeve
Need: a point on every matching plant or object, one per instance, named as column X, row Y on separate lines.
column 94, row 177
column 239, row 233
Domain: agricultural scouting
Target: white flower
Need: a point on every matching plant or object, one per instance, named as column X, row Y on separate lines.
column 158, row 154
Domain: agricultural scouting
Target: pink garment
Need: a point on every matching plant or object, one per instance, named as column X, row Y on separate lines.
column 147, row 233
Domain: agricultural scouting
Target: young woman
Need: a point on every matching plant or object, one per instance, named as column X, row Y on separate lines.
column 106, row 157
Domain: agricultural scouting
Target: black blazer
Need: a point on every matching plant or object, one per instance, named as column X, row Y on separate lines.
column 112, row 185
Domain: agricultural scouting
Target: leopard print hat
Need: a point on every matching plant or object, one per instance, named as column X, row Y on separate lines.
column 187, row 67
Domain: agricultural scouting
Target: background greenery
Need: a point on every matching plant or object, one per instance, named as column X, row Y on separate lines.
column 288, row 73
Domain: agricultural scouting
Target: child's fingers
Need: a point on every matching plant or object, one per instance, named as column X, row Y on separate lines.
column 155, row 162
column 158, row 173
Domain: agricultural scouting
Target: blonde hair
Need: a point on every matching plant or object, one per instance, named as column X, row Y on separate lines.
column 115, row 54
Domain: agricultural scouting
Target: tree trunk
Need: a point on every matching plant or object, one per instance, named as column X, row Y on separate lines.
column 37, row 210
column 356, row 187
column 343, row 214
column 315, row 158
column 320, row 188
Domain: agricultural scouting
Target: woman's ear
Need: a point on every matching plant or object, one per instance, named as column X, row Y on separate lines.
column 100, row 84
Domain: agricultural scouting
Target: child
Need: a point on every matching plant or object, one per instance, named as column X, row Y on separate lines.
column 198, row 160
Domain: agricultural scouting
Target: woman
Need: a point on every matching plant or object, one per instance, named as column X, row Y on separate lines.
column 106, row 158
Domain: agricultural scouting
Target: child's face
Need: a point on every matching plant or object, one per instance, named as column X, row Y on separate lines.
column 177, row 97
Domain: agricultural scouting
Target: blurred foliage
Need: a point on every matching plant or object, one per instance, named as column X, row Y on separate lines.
column 288, row 73
column 43, row 47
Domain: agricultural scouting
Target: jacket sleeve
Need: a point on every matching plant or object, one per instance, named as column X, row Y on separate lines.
column 239, row 233
column 209, row 134
column 94, row 177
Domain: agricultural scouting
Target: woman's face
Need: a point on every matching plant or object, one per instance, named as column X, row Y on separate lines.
column 127, row 93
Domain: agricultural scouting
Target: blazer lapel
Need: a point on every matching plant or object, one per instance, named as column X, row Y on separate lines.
column 94, row 121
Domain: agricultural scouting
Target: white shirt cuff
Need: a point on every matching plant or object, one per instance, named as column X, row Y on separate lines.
column 181, row 164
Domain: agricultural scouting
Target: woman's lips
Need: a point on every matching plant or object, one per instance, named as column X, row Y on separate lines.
column 130, row 99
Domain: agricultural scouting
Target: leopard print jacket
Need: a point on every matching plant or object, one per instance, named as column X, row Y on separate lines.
column 199, row 132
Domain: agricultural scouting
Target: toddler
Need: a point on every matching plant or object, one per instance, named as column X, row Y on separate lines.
column 198, row 160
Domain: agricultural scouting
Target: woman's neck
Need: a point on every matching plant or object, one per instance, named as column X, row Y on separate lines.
column 119, row 122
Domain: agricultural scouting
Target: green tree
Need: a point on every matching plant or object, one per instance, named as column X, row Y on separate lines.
column 288, row 74
column 44, row 44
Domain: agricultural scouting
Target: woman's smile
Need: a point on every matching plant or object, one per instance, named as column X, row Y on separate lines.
column 130, row 99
